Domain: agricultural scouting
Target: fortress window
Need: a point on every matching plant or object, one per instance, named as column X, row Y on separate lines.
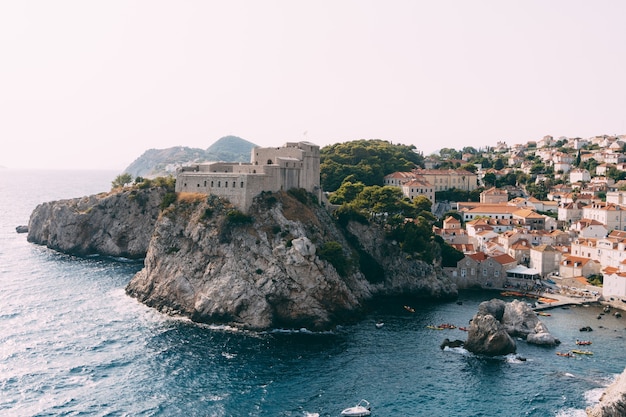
column 225, row 184
column 198, row 184
column 269, row 162
column 241, row 184
column 234, row 184
column 219, row 184
column 184, row 184
column 205, row 183
column 212, row 184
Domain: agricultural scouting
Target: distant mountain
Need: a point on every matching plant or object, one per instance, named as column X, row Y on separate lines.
column 230, row 149
column 159, row 162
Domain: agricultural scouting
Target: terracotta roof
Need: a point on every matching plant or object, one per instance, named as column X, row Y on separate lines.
column 417, row 182
column 544, row 248
column 568, row 259
column 521, row 244
column 478, row 256
column 527, row 214
column 463, row 247
column 504, row 259
column 618, row 234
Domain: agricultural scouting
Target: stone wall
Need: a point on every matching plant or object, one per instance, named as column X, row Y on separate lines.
column 295, row 165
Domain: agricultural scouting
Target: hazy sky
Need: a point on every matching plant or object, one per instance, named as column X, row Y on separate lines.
column 96, row 83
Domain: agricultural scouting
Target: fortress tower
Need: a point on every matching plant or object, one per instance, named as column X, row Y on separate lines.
column 293, row 165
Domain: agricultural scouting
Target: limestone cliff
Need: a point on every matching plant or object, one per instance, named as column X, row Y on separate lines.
column 286, row 263
column 613, row 400
column 112, row 224
column 262, row 270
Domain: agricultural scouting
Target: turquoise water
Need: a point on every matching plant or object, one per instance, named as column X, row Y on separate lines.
column 72, row 343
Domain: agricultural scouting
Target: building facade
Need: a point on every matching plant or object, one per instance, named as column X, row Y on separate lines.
column 294, row 165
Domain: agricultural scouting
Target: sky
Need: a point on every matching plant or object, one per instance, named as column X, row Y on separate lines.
column 94, row 84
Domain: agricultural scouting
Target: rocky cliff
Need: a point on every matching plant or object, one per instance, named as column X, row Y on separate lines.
column 112, row 224
column 263, row 269
column 285, row 263
column 613, row 400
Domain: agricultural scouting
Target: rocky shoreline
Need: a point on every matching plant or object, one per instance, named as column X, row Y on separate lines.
column 613, row 400
column 285, row 263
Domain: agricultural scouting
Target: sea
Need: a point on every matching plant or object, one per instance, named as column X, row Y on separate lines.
column 72, row 343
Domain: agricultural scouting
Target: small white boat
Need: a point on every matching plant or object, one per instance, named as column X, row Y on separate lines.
column 360, row 410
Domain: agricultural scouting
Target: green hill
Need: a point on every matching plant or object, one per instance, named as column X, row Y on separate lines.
column 160, row 162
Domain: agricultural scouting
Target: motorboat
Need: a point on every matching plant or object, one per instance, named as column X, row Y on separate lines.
column 360, row 410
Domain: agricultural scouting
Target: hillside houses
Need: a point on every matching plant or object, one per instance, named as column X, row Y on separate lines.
column 427, row 182
column 555, row 207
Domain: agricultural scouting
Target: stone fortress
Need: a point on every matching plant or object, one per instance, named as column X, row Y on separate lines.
column 293, row 165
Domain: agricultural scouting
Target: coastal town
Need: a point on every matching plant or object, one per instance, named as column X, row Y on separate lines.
column 550, row 215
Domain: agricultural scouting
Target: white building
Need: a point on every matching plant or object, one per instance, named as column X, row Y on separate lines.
column 579, row 175
column 610, row 215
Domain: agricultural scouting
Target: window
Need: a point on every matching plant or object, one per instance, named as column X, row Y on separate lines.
column 234, row 184
column 463, row 272
column 212, row 184
column 484, row 272
column 496, row 273
column 225, row 184
column 241, row 184
column 219, row 184
column 473, row 271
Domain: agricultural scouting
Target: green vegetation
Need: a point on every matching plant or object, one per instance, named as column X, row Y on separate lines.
column 454, row 194
column 168, row 199
column 366, row 161
column 303, row 196
column 596, row 280
column 332, row 252
column 237, row 217
column 449, row 255
column 121, row 181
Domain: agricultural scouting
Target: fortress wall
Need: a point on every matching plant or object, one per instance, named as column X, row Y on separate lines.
column 291, row 167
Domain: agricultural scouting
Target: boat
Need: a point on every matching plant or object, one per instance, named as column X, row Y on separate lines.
column 431, row 327
column 565, row 354
column 409, row 309
column 360, row 410
column 582, row 352
column 541, row 313
column 463, row 328
column 447, row 326
column 583, row 342
column 379, row 324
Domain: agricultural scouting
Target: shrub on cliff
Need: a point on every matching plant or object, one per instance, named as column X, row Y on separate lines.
column 237, row 217
column 168, row 199
column 121, row 180
column 332, row 252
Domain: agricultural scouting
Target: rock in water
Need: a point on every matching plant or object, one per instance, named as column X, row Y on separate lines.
column 496, row 323
column 21, row 229
column 521, row 321
column 487, row 335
